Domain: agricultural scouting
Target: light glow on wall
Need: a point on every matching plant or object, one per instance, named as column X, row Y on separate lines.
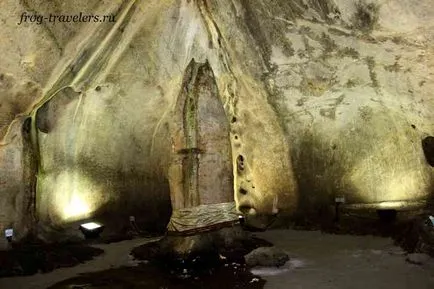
column 389, row 184
column 77, row 207
column 71, row 196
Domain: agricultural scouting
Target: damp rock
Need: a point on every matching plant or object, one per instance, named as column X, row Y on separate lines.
column 266, row 256
column 418, row 258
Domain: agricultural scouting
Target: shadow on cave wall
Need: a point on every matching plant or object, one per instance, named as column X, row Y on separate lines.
column 48, row 115
column 319, row 172
column 141, row 194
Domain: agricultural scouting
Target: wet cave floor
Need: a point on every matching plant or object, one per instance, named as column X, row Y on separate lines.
column 150, row 276
column 220, row 267
column 351, row 255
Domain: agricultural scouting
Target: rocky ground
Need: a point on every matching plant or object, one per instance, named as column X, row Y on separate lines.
column 317, row 260
column 31, row 258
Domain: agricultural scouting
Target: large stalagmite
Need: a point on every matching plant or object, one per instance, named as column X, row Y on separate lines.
column 200, row 174
column 320, row 99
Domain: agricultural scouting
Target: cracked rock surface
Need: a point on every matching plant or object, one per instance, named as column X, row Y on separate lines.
column 321, row 98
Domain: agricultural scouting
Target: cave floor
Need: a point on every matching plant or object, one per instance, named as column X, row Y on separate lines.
column 344, row 261
column 318, row 260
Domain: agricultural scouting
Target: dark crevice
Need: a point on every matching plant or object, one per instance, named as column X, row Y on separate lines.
column 244, row 209
column 240, row 163
column 387, row 215
column 428, row 149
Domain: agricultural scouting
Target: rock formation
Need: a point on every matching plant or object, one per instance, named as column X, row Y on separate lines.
column 321, row 98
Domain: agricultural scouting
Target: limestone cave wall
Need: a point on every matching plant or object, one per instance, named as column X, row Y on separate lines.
column 322, row 99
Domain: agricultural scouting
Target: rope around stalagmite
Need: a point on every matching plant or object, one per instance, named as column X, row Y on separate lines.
column 202, row 218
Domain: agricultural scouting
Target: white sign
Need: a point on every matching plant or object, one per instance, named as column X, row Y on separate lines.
column 340, row 199
column 9, row 233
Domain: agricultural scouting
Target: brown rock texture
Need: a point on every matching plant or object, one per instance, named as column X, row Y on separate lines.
column 321, row 98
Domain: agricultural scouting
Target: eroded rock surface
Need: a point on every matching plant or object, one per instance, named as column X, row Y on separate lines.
column 322, row 98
